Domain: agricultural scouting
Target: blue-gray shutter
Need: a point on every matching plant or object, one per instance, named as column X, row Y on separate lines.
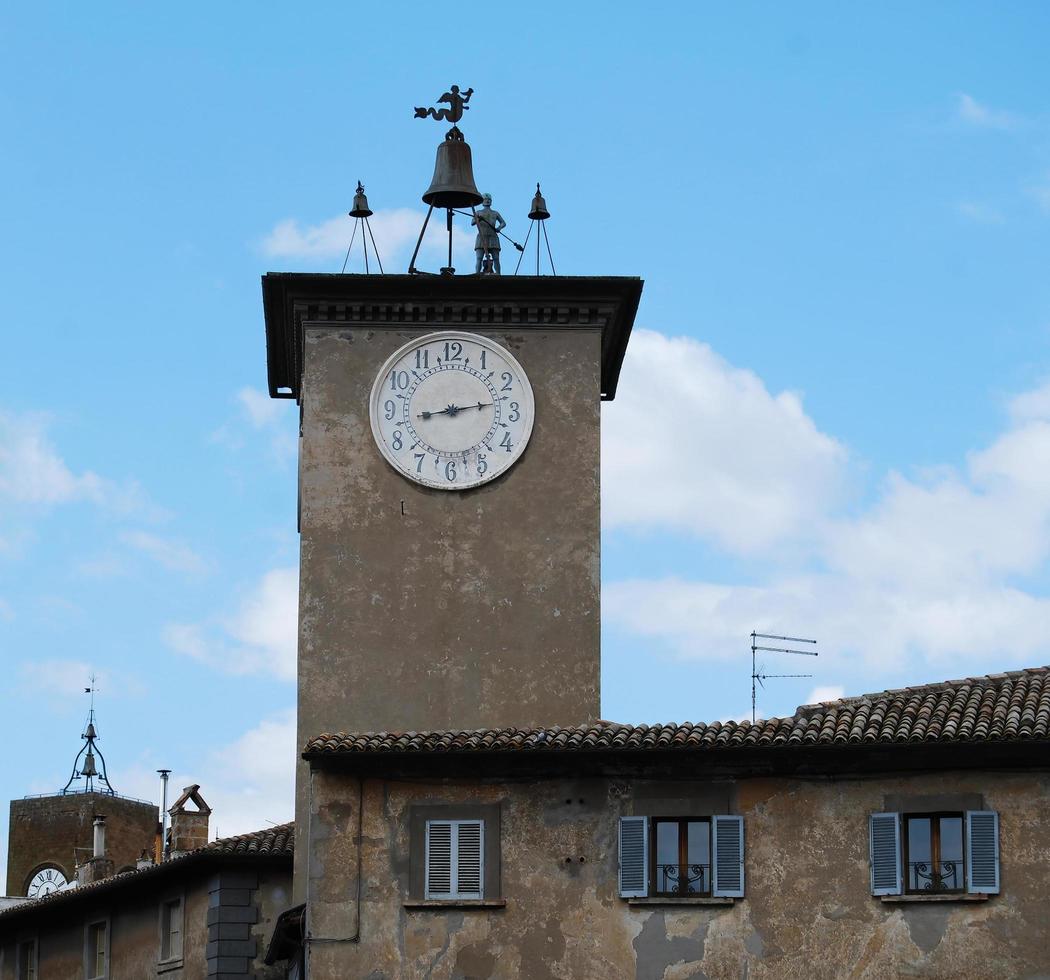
column 727, row 856
column 982, row 852
column 885, row 849
column 634, row 857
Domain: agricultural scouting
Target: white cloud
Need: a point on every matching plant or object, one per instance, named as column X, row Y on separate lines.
column 693, row 444
column 169, row 554
column 982, row 214
column 262, row 410
column 32, row 472
column 259, row 637
column 269, row 417
column 65, row 680
column 974, row 113
column 930, row 571
column 395, row 232
column 819, row 694
column 249, row 783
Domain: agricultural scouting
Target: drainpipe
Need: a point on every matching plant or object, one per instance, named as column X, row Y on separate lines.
column 164, row 773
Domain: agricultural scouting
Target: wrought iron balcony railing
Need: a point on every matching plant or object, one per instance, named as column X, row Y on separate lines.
column 927, row 877
column 683, row 879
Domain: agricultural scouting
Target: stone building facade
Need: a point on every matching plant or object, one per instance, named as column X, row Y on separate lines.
column 207, row 913
column 549, row 897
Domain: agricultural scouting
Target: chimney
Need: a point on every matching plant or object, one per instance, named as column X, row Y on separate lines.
column 99, row 824
column 189, row 828
column 144, row 861
column 98, row 866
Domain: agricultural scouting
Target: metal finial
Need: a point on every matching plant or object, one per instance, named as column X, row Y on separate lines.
column 88, row 769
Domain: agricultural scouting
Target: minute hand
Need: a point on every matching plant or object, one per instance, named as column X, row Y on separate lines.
column 454, row 410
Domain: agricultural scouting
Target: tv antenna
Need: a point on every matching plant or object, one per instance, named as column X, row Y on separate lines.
column 758, row 674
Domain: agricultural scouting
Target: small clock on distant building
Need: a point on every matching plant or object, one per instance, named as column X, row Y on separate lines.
column 45, row 881
column 452, row 410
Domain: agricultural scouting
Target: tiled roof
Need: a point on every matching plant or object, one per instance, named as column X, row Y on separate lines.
column 279, row 839
column 275, row 841
column 1011, row 706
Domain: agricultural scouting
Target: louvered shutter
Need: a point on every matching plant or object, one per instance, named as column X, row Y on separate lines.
column 455, row 859
column 439, row 859
column 885, row 850
column 634, row 857
column 982, row 852
column 727, row 856
column 470, row 858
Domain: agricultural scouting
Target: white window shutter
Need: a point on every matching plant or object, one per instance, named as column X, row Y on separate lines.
column 470, row 859
column 634, row 857
column 884, row 838
column 982, row 852
column 727, row 856
column 455, row 859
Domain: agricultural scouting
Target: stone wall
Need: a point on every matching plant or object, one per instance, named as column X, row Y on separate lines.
column 807, row 911
column 58, row 829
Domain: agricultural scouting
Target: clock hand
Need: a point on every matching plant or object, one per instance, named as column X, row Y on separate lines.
column 452, row 410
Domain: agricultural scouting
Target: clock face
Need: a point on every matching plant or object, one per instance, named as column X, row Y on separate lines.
column 452, row 410
column 44, row 882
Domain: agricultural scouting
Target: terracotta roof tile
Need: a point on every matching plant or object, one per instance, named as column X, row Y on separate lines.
column 277, row 841
column 1010, row 706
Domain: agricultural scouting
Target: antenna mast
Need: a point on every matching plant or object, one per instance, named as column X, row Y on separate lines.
column 758, row 675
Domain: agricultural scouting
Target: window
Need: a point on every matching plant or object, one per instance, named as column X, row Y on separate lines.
column 171, row 929
column 96, row 954
column 946, row 852
column 454, row 854
column 27, row 960
column 455, row 859
column 682, row 856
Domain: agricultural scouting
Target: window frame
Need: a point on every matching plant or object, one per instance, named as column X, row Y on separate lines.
column 89, row 966
column 683, row 854
column 934, row 816
column 172, row 961
column 455, row 829
column 418, row 816
column 34, row 968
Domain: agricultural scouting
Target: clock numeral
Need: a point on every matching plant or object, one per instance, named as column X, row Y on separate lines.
column 388, row 406
column 419, row 461
column 482, row 464
column 423, row 358
column 514, row 413
column 396, row 441
column 483, row 353
column 505, row 443
column 450, row 470
column 398, row 379
column 453, row 350
column 507, row 378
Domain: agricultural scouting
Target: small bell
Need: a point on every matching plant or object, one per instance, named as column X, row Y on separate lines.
column 360, row 209
column 89, row 765
column 90, row 733
column 453, row 184
column 539, row 210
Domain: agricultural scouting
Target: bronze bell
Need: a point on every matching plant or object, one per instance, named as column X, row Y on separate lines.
column 453, row 184
column 539, row 210
column 89, row 765
column 360, row 209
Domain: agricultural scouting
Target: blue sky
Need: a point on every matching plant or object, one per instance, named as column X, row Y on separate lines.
column 842, row 217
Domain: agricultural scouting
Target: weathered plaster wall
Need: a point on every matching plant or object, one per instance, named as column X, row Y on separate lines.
column 807, row 913
column 424, row 608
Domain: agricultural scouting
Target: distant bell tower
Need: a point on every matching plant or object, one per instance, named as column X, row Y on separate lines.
column 53, row 836
column 448, row 482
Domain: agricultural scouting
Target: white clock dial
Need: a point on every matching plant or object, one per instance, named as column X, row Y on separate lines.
column 452, row 410
column 44, row 882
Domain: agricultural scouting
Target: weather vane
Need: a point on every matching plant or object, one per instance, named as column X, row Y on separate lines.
column 457, row 106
